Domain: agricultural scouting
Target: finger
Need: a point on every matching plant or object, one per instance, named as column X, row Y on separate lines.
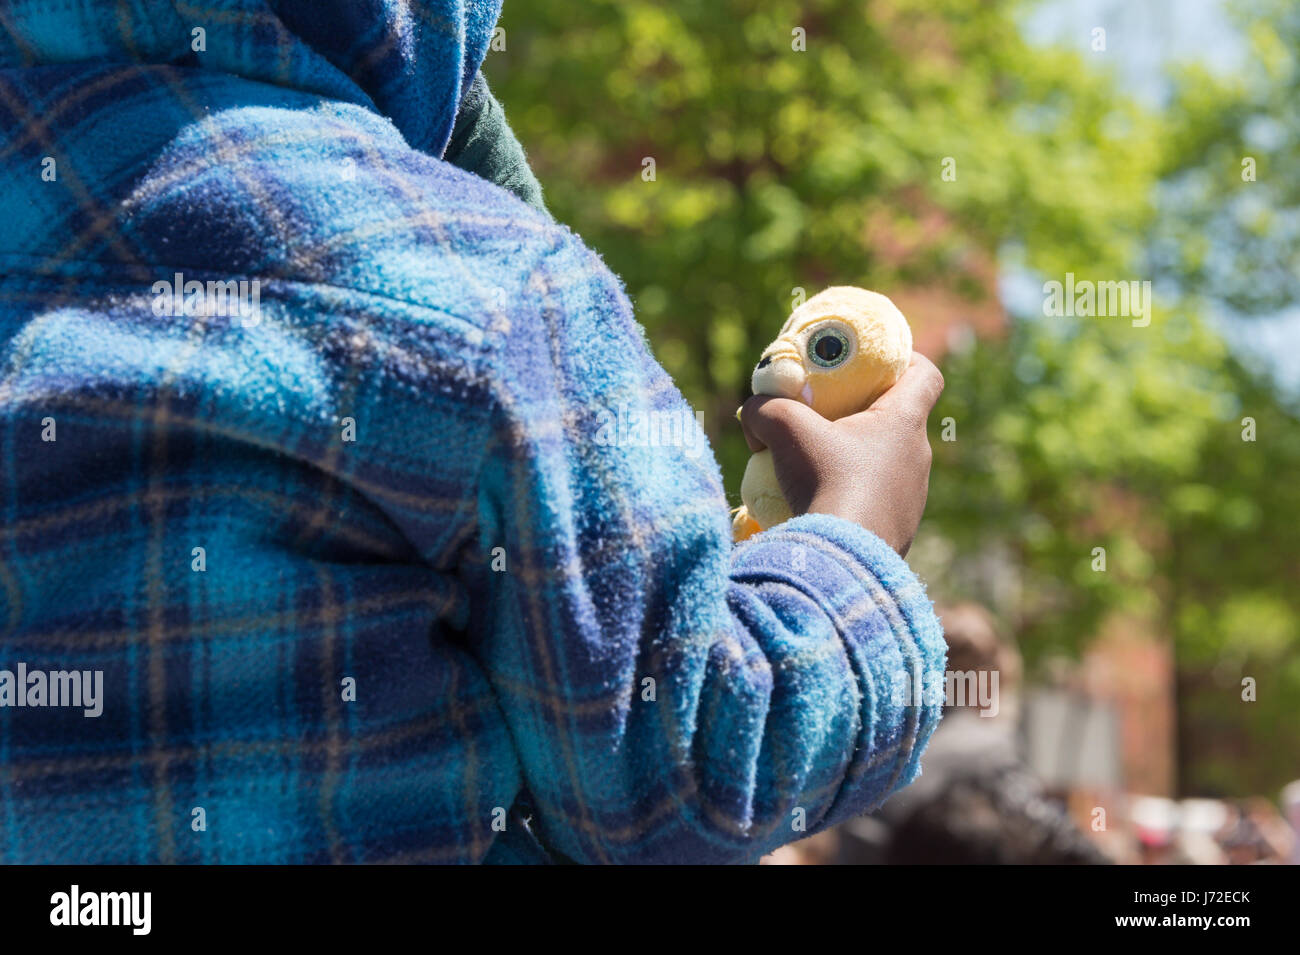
column 914, row 395
column 767, row 420
column 754, row 444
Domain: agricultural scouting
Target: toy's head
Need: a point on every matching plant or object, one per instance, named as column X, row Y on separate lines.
column 838, row 352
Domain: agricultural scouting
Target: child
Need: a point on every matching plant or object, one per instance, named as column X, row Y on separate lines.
column 358, row 579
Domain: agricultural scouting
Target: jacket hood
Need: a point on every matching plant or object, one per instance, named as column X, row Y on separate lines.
column 410, row 60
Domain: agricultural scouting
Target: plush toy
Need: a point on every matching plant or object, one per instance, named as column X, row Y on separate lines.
column 837, row 352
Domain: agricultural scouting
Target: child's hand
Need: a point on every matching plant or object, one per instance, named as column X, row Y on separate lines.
column 872, row 467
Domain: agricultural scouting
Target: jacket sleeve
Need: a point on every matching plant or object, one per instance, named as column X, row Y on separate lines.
column 672, row 697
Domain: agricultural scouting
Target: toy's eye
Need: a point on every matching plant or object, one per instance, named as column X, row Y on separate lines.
column 828, row 347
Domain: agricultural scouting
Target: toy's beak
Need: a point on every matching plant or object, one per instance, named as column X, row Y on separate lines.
column 780, row 374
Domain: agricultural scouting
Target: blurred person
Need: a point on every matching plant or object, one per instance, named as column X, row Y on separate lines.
column 1241, row 839
column 1255, row 834
column 359, row 574
column 977, row 802
column 1198, row 822
column 1156, row 821
column 1291, row 808
column 1274, row 830
column 821, row 849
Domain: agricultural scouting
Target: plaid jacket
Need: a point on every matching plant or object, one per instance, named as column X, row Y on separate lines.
column 384, row 554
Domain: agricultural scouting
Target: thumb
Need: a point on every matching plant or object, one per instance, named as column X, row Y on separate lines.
column 767, row 421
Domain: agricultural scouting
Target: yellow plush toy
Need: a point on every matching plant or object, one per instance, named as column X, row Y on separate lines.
column 837, row 353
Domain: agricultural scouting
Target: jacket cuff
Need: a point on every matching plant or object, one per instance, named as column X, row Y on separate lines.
column 889, row 629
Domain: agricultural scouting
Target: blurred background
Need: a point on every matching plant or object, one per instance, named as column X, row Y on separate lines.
column 1114, row 514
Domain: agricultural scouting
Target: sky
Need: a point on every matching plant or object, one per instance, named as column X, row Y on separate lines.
column 1143, row 37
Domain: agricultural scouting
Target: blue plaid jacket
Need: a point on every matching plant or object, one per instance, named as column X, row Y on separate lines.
column 378, row 554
